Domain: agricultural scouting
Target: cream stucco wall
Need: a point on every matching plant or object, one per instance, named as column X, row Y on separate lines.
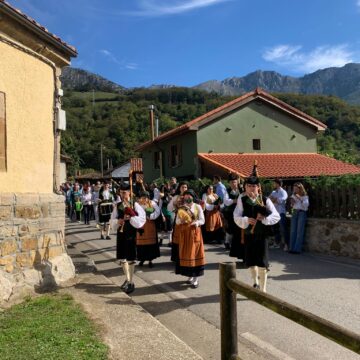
column 28, row 84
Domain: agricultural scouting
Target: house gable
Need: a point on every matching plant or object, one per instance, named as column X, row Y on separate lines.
column 256, row 122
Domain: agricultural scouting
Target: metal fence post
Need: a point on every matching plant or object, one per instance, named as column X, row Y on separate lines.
column 229, row 342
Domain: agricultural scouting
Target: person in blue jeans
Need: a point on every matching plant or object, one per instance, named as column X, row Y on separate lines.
column 300, row 203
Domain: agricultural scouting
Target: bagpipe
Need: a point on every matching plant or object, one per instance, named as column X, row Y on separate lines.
column 185, row 215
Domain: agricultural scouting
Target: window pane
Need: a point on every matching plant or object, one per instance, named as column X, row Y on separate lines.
column 256, row 144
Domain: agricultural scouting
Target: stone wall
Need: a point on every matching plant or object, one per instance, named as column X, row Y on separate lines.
column 333, row 237
column 32, row 243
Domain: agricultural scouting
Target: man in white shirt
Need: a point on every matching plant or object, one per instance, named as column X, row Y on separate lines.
column 279, row 197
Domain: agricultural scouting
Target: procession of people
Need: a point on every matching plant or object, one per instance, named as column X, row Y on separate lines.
column 241, row 217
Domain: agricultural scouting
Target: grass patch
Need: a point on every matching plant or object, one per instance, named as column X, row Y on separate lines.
column 49, row 327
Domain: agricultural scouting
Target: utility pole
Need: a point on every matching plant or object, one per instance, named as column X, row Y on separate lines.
column 101, row 160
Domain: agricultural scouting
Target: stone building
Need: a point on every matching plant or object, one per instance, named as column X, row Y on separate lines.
column 32, row 220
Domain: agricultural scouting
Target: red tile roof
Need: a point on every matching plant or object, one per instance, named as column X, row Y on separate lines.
column 230, row 106
column 30, row 21
column 280, row 165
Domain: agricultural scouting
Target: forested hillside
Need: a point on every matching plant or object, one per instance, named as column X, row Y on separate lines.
column 120, row 121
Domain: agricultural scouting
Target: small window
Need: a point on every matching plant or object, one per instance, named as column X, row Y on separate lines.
column 2, row 132
column 175, row 155
column 256, row 144
column 157, row 160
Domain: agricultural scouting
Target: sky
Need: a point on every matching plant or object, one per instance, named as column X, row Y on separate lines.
column 186, row 42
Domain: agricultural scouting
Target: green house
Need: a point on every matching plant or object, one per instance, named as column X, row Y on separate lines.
column 229, row 138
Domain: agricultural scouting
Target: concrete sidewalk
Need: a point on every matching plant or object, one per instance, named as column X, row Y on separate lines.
column 130, row 332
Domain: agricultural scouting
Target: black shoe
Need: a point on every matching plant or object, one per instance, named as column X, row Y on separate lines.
column 151, row 265
column 256, row 286
column 141, row 263
column 124, row 285
column 102, row 237
column 195, row 285
column 129, row 288
column 227, row 246
column 108, row 238
column 169, row 244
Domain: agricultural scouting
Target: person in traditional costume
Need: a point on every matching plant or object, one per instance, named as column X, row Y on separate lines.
column 147, row 244
column 233, row 233
column 188, row 251
column 213, row 221
column 131, row 217
column 175, row 203
column 106, row 199
column 253, row 213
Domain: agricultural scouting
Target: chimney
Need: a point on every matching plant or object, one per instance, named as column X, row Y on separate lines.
column 151, row 109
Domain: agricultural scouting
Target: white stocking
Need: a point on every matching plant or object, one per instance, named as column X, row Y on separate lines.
column 263, row 278
column 254, row 274
column 131, row 272
column 125, row 266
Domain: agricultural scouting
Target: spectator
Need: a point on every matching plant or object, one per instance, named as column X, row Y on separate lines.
column 300, row 203
column 220, row 188
column 279, row 197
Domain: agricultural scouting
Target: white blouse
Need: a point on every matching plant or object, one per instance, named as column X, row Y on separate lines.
column 138, row 221
column 300, row 203
column 200, row 214
column 243, row 221
column 156, row 212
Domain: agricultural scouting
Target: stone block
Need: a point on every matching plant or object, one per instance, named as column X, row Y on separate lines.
column 6, row 212
column 44, row 210
column 27, row 199
column 27, row 212
column 32, row 277
column 56, row 251
column 24, row 260
column 57, row 209
column 51, row 224
column 7, row 284
column 29, row 243
column 48, row 240
column 28, row 229
column 62, row 268
column 7, row 231
column 8, row 247
column 7, row 199
column 7, row 260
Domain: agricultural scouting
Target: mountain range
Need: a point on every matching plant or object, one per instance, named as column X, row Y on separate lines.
column 343, row 82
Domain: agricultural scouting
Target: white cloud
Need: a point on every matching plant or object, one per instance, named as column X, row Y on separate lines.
column 170, row 7
column 122, row 63
column 293, row 58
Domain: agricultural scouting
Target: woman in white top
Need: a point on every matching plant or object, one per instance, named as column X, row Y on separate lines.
column 300, row 203
column 86, row 199
column 213, row 221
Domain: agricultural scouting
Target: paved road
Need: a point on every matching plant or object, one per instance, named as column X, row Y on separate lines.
column 326, row 286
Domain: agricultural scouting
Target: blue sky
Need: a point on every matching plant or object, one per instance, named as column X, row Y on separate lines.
column 186, row 42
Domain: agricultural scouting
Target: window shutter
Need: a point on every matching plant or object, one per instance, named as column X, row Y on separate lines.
column 2, row 132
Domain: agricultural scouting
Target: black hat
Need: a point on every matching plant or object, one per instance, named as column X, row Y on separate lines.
column 190, row 192
column 233, row 176
column 252, row 180
column 124, row 187
column 144, row 194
